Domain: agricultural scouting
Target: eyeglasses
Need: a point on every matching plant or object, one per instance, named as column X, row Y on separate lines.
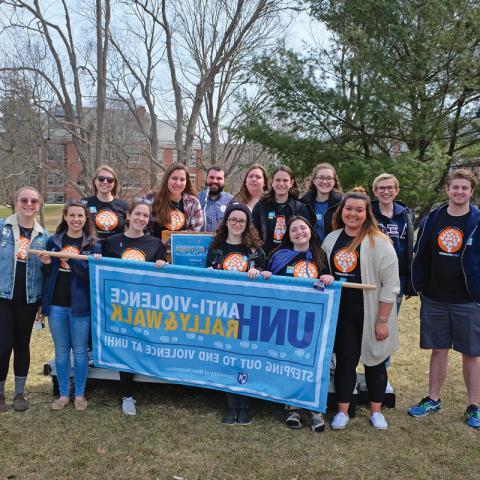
column 102, row 179
column 236, row 221
column 325, row 179
column 389, row 188
column 32, row 201
column 76, row 203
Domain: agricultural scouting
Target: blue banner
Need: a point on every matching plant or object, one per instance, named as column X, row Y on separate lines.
column 190, row 249
column 271, row 339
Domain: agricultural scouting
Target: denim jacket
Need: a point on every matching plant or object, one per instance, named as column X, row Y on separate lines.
column 79, row 278
column 9, row 236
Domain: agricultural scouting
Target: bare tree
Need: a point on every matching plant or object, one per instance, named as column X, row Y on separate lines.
column 103, row 28
column 22, row 133
column 135, row 60
column 63, row 66
column 208, row 44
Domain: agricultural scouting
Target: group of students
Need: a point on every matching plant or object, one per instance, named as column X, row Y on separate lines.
column 265, row 230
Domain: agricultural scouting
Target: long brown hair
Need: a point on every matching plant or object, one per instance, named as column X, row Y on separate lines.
column 161, row 198
column 88, row 228
column 293, row 192
column 250, row 237
column 243, row 194
column 109, row 169
column 318, row 255
column 336, row 186
column 369, row 228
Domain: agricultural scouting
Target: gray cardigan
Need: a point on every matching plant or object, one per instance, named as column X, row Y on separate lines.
column 378, row 266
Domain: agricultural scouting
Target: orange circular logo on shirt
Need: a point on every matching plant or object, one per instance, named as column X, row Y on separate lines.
column 280, row 228
column 133, row 254
column 23, row 244
column 68, row 249
column 450, row 239
column 345, row 261
column 235, row 262
column 177, row 221
column 300, row 270
column 106, row 220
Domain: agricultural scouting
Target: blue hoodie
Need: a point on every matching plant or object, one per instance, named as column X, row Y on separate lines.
column 399, row 229
column 79, row 278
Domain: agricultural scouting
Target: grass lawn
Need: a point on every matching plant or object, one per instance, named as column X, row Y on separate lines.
column 52, row 216
column 177, row 433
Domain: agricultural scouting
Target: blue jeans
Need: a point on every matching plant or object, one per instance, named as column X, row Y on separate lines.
column 70, row 333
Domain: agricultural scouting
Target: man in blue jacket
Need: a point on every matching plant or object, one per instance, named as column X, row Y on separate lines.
column 446, row 271
column 213, row 199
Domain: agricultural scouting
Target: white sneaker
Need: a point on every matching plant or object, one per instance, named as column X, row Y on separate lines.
column 378, row 421
column 340, row 421
column 128, row 406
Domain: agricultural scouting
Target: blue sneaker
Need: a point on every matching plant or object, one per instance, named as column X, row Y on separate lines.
column 425, row 407
column 473, row 416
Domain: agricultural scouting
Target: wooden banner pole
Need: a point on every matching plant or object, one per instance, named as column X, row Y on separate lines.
column 74, row 256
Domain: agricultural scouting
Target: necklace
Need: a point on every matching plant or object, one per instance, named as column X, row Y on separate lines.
column 26, row 232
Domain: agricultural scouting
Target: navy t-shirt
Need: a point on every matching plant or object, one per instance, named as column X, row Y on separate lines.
column 235, row 258
column 143, row 249
column 320, row 210
column 108, row 217
column 446, row 282
column 177, row 221
column 345, row 265
column 62, row 295
column 20, row 287
column 297, row 267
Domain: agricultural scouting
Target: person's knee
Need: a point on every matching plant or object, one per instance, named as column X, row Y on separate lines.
column 440, row 352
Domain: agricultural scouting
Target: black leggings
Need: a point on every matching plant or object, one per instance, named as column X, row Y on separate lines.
column 126, row 380
column 348, row 344
column 16, row 323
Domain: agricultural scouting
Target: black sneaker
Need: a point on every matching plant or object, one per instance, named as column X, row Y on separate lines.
column 230, row 417
column 244, row 417
column 293, row 419
column 317, row 424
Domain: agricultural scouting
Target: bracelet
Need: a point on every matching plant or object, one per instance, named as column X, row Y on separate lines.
column 382, row 319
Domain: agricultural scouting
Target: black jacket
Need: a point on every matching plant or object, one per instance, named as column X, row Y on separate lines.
column 260, row 216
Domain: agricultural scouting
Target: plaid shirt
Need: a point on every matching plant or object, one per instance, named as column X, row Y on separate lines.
column 192, row 209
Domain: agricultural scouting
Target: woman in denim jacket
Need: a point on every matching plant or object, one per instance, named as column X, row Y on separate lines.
column 66, row 299
column 21, row 284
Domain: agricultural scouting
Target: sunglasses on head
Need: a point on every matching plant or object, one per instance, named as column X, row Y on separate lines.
column 76, row 203
column 102, row 179
column 25, row 201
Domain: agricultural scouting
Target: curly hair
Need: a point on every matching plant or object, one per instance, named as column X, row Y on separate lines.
column 250, row 237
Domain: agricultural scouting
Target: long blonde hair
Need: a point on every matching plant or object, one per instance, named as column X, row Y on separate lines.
column 369, row 228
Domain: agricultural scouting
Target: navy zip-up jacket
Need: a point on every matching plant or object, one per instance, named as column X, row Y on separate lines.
column 402, row 216
column 79, row 276
column 470, row 259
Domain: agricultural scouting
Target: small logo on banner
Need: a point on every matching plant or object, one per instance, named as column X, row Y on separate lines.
column 242, row 378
